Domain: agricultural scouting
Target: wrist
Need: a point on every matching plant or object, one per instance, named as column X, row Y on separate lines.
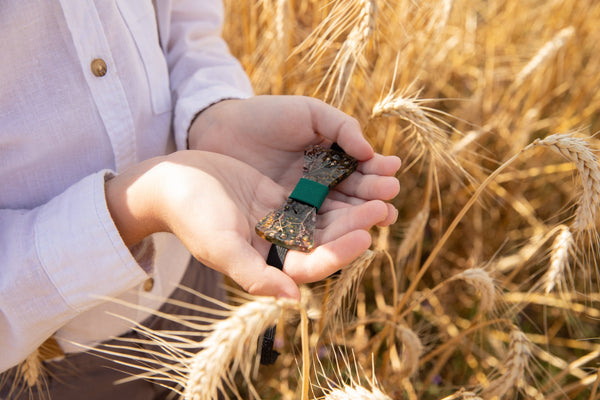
column 132, row 199
column 208, row 119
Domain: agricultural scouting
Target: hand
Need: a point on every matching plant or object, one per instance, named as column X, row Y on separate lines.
column 212, row 203
column 271, row 132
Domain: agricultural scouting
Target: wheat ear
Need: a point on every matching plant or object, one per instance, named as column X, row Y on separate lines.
column 515, row 365
column 413, row 233
column 562, row 247
column 347, row 384
column 356, row 393
column 342, row 288
column 411, row 351
column 578, row 151
column 356, row 19
column 429, row 137
column 441, row 16
column 230, row 346
column 31, row 369
column 544, row 54
column 350, row 54
column 483, row 282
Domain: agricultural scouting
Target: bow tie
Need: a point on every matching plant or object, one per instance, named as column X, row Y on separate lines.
column 292, row 226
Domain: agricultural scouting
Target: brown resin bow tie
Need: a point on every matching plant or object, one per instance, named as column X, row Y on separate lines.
column 293, row 224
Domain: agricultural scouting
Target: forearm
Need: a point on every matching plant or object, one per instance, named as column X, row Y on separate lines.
column 57, row 259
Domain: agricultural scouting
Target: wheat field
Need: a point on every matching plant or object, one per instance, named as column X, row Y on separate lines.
column 488, row 286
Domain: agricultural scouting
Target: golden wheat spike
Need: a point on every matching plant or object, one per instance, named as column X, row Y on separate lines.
column 547, row 51
column 562, row 249
column 356, row 393
column 230, row 346
column 349, row 277
column 514, row 367
column 481, row 280
column 411, row 351
column 579, row 152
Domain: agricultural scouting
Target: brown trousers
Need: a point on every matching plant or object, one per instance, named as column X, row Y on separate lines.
column 85, row 376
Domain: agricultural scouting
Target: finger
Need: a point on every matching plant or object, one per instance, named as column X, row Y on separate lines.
column 337, row 126
column 337, row 223
column 249, row 269
column 380, row 165
column 392, row 216
column 370, row 187
column 326, row 259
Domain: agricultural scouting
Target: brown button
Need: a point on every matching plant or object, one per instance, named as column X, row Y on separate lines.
column 149, row 284
column 98, row 67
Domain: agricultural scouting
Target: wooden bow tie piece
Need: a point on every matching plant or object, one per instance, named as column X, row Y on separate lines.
column 293, row 224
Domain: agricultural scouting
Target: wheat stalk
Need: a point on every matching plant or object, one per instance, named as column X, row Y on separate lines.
column 514, row 366
column 578, row 151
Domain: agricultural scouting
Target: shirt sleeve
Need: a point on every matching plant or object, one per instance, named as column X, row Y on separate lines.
column 202, row 70
column 56, row 261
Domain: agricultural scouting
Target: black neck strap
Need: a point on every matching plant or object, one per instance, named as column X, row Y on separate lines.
column 268, row 356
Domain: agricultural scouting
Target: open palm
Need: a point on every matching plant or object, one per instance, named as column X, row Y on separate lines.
column 213, row 203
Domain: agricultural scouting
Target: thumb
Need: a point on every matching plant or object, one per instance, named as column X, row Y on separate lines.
column 247, row 268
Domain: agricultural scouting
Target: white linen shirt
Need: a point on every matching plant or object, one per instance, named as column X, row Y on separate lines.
column 63, row 129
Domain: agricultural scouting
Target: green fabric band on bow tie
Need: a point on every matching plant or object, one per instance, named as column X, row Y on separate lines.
column 310, row 192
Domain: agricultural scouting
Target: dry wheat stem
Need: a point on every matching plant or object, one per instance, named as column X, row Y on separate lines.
column 545, row 54
column 305, row 353
column 579, row 152
column 454, row 341
column 514, row 367
column 230, row 346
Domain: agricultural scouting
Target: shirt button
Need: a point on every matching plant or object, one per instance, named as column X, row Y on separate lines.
column 98, row 67
column 148, row 284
